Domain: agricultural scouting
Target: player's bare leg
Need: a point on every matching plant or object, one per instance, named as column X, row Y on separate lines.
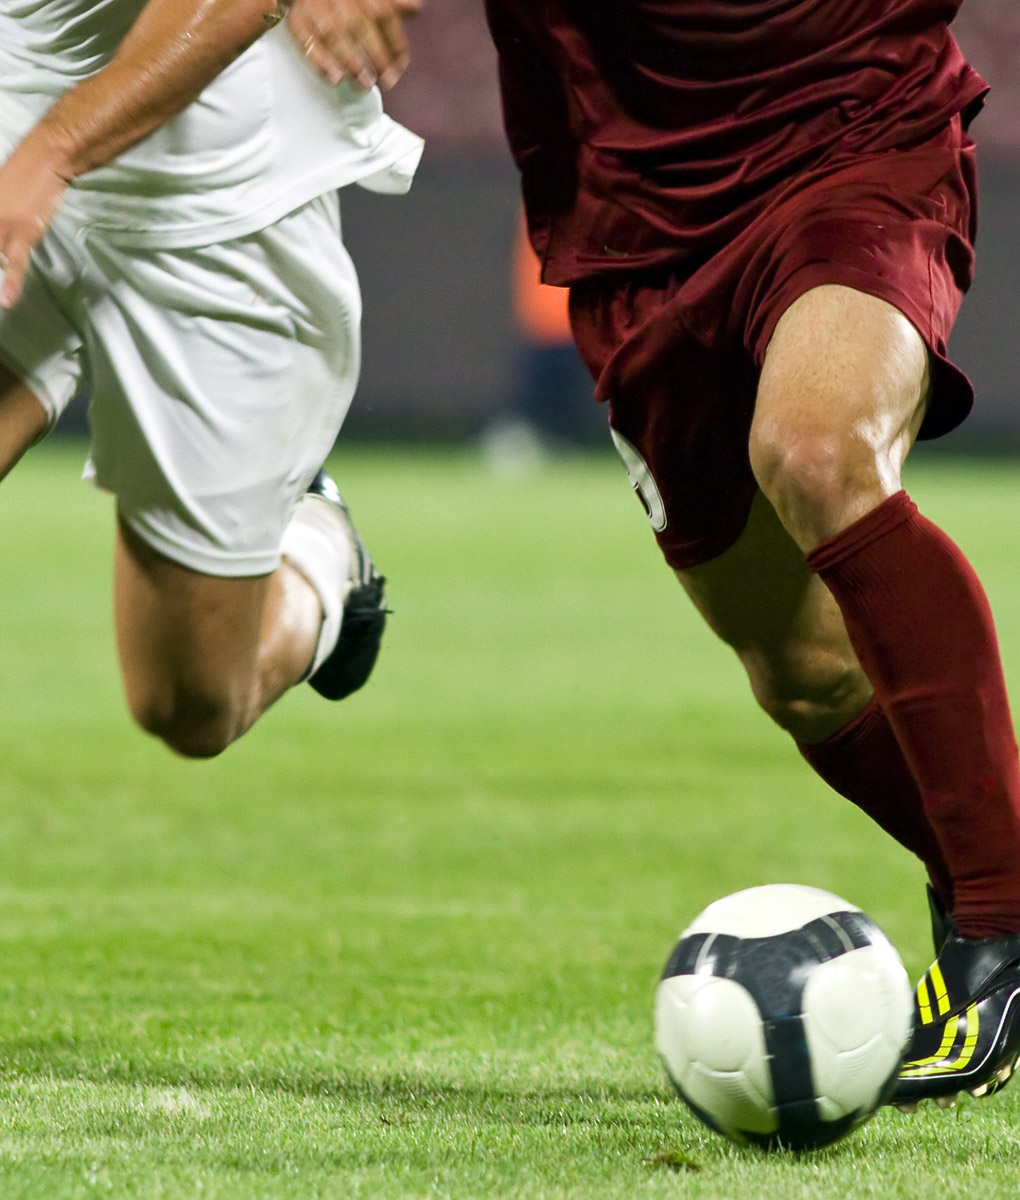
column 842, row 395
column 782, row 622
column 787, row 631
column 23, row 420
column 203, row 656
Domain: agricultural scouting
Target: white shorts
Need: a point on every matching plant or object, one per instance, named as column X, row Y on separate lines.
column 218, row 376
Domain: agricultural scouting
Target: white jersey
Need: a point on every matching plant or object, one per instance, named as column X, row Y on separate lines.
column 265, row 137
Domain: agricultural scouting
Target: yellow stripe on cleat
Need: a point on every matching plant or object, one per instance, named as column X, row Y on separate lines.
column 941, row 992
column 936, row 1061
column 940, row 1062
column 923, row 1003
column 970, row 1043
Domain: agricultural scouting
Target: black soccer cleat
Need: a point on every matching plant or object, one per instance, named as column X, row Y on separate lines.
column 966, row 1035
column 351, row 660
column 941, row 922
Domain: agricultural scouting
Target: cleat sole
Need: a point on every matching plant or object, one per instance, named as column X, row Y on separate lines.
column 907, row 1106
column 945, row 1101
column 1002, row 1076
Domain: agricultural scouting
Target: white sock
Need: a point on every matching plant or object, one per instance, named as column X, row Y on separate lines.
column 316, row 544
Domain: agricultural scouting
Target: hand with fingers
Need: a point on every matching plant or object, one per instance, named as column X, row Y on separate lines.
column 362, row 40
column 32, row 186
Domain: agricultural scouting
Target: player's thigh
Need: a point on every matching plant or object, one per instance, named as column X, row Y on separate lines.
column 184, row 638
column 23, row 419
column 40, row 365
column 842, row 394
column 760, row 597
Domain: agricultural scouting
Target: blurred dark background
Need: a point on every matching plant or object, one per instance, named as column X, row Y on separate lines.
column 445, row 359
column 442, row 352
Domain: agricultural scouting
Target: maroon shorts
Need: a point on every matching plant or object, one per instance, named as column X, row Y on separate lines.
column 678, row 356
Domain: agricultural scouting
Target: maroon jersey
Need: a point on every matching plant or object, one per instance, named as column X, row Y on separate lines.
column 651, row 132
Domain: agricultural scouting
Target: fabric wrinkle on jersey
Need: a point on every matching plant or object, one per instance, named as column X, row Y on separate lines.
column 687, row 212
column 199, row 283
column 652, row 131
column 219, row 375
column 265, row 137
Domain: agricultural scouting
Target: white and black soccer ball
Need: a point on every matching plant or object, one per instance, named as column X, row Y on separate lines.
column 782, row 1016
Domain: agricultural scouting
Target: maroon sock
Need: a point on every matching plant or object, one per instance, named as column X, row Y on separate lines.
column 921, row 626
column 865, row 764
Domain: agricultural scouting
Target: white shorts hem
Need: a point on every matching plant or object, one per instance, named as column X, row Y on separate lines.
column 203, row 559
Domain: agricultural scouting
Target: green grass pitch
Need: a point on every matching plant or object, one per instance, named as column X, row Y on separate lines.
column 406, row 946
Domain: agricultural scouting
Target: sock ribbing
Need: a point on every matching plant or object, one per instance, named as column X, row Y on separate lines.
column 922, row 628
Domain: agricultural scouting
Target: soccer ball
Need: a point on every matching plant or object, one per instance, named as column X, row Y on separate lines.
column 782, row 1016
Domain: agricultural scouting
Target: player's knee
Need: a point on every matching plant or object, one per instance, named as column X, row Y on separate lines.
column 795, row 466
column 194, row 725
column 813, row 477
column 811, row 702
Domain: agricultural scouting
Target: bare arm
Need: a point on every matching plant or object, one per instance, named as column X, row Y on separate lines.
column 174, row 49
column 362, row 40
